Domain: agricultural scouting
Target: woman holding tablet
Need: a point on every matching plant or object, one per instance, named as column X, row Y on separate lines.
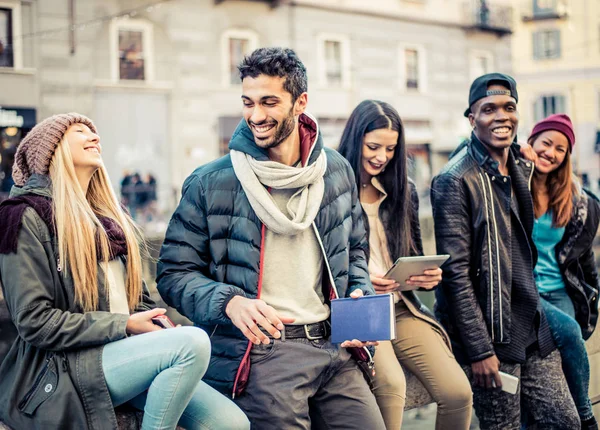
column 373, row 143
column 567, row 218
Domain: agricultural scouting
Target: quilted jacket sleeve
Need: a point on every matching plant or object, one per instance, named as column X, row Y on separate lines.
column 183, row 279
column 358, row 272
column 453, row 237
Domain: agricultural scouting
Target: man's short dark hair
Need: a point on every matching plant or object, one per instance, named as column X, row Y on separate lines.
column 281, row 62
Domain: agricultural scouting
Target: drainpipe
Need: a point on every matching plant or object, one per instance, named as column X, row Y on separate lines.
column 292, row 23
column 72, row 25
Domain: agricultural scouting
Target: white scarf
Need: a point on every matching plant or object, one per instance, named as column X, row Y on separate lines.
column 254, row 175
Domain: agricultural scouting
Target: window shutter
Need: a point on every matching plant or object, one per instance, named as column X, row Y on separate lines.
column 561, row 104
column 538, row 109
column 556, row 37
column 536, row 45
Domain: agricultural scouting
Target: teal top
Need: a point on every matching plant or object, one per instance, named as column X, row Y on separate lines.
column 545, row 236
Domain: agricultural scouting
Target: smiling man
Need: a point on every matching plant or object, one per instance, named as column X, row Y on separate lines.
column 262, row 240
column 488, row 300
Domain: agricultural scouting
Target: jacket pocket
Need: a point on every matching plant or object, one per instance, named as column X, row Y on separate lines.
column 43, row 387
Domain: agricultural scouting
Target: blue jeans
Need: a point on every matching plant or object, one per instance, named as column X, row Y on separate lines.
column 160, row 373
column 566, row 332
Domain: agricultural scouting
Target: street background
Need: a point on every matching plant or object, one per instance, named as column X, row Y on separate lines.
column 159, row 79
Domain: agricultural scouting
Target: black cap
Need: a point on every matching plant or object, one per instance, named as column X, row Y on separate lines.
column 479, row 88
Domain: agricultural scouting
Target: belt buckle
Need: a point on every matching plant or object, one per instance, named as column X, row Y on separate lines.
column 308, row 336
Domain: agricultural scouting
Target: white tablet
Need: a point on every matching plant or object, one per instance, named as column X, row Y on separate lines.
column 405, row 267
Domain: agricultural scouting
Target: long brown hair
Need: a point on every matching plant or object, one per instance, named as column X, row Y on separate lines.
column 562, row 188
column 78, row 228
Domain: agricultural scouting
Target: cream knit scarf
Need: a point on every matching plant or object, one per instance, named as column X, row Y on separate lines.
column 254, row 175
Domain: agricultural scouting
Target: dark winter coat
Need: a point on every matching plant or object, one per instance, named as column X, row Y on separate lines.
column 213, row 247
column 577, row 263
column 471, row 204
column 52, row 377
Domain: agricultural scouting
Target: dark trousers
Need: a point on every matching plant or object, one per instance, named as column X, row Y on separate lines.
column 304, row 384
column 543, row 397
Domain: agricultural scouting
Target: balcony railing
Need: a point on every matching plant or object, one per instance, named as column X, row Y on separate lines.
column 537, row 11
column 272, row 3
column 482, row 15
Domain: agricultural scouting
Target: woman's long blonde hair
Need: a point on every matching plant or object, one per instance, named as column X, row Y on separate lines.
column 78, row 229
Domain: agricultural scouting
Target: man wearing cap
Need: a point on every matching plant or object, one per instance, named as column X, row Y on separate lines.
column 488, row 300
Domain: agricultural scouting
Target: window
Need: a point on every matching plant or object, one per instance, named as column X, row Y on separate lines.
column 546, row 44
column 131, row 55
column 10, row 25
column 412, row 68
column 480, row 63
column 334, row 61
column 236, row 44
column 548, row 105
column 6, row 38
column 542, row 7
column 132, row 50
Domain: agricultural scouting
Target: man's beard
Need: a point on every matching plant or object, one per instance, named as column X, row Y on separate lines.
column 282, row 132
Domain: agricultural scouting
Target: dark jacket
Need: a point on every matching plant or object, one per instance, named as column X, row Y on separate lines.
column 52, row 376
column 471, row 203
column 213, row 247
column 576, row 260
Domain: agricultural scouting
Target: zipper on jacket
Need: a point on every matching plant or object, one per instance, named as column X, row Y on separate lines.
column 491, row 278
column 497, row 258
column 65, row 361
column 260, row 279
column 58, row 266
column 37, row 381
column 371, row 362
column 530, row 173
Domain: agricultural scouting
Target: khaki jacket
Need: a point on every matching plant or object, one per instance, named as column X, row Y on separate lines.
column 52, row 376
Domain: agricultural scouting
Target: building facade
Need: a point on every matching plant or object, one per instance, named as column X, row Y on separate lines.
column 159, row 77
column 556, row 60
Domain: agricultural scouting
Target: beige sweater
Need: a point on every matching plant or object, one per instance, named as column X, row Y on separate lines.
column 115, row 275
column 379, row 258
column 293, row 270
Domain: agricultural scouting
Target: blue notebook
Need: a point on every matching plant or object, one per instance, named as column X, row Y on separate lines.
column 369, row 318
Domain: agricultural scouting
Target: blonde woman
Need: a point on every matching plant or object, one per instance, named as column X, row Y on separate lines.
column 70, row 268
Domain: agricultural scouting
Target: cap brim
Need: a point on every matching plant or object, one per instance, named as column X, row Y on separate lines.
column 467, row 112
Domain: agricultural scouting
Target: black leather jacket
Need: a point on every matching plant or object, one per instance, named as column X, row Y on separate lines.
column 577, row 263
column 471, row 203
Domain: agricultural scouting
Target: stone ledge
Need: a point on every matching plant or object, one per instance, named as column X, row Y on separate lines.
column 127, row 419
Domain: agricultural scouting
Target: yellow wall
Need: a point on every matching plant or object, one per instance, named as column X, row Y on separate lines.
column 580, row 40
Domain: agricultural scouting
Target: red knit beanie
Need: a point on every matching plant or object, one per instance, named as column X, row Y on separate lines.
column 558, row 122
column 37, row 148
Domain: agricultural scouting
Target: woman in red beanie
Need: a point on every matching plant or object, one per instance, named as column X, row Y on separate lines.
column 567, row 218
column 71, row 272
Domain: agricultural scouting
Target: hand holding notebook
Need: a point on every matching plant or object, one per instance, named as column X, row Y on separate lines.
column 369, row 318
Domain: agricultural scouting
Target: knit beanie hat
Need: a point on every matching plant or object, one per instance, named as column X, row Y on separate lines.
column 558, row 122
column 37, row 148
